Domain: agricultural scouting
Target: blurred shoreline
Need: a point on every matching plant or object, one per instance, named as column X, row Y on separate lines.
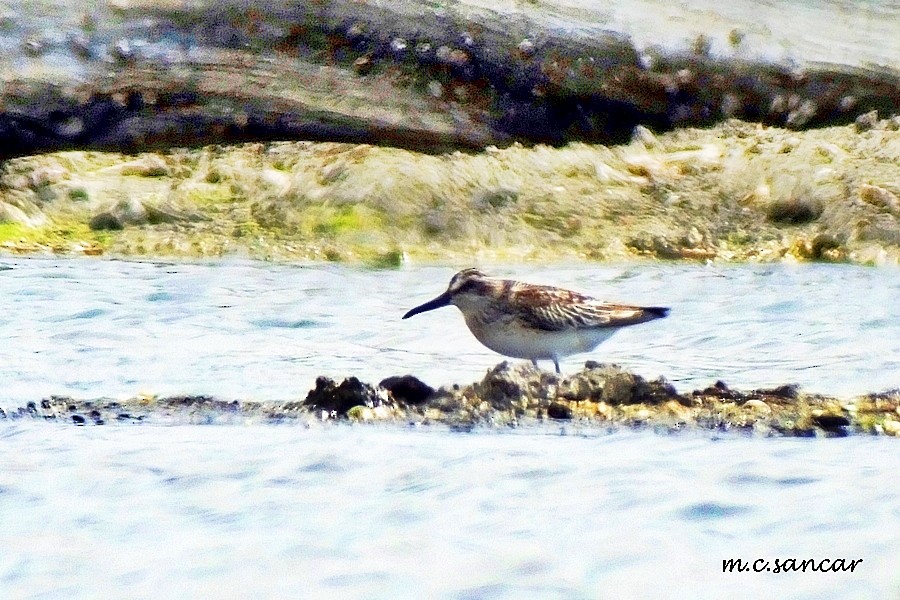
column 736, row 192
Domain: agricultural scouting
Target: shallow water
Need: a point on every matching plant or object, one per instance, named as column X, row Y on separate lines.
column 247, row 330
column 370, row 512
column 367, row 512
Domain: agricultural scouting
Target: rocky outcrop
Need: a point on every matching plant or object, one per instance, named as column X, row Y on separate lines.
column 336, row 399
column 599, row 396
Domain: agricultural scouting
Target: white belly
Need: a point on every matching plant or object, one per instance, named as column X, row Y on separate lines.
column 510, row 339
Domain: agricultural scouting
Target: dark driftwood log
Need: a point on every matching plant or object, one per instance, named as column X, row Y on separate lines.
column 141, row 74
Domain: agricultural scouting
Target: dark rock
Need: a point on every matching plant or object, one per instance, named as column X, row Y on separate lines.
column 822, row 243
column 559, row 411
column 341, row 398
column 78, row 419
column 788, row 392
column 125, row 212
column 106, row 221
column 831, row 421
column 719, row 390
column 407, row 389
column 794, row 211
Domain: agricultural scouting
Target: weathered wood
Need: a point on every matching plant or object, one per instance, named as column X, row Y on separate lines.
column 140, row 74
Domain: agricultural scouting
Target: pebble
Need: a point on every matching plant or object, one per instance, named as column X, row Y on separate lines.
column 526, row 47
column 866, row 121
column 891, row 427
column 758, row 405
column 604, row 409
column 642, row 415
column 361, row 413
column 362, row 65
column 435, row 88
column 880, row 197
column 645, row 136
column 398, row 44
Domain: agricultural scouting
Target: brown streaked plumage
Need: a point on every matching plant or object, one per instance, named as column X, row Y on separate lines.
column 537, row 322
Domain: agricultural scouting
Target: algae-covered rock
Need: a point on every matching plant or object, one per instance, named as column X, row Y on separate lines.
column 148, row 165
column 613, row 385
column 128, row 211
column 891, row 427
column 516, row 395
column 131, row 211
column 509, row 386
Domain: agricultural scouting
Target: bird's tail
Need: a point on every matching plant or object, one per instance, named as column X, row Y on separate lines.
column 657, row 312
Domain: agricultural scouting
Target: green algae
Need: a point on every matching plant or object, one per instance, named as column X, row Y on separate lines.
column 12, row 232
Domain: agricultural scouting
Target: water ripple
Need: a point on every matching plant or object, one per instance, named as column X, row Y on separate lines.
column 375, row 512
column 705, row 511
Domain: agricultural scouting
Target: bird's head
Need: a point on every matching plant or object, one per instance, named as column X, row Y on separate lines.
column 468, row 288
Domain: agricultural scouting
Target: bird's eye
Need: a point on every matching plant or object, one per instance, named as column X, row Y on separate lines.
column 467, row 286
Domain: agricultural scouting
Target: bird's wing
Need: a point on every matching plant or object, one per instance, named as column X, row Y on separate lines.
column 557, row 310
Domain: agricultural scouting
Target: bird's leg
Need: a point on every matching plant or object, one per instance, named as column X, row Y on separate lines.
column 534, row 362
column 556, row 364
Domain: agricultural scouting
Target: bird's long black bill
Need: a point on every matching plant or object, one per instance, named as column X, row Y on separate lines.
column 442, row 300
